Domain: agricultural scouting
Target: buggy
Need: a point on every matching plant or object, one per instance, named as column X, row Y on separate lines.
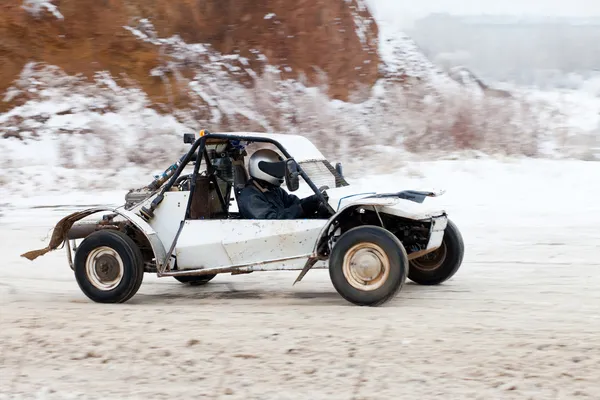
column 186, row 225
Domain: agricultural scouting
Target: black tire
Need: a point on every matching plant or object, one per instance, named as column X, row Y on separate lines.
column 386, row 287
column 441, row 265
column 195, row 280
column 130, row 256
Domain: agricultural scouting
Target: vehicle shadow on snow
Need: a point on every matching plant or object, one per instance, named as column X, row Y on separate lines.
column 240, row 291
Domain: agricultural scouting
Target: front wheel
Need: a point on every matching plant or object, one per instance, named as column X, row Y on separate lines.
column 439, row 266
column 109, row 267
column 368, row 265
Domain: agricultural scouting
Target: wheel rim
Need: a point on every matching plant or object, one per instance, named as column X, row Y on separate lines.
column 366, row 266
column 433, row 260
column 104, row 268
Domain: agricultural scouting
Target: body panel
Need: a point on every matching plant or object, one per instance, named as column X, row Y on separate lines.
column 411, row 210
column 156, row 243
column 168, row 215
column 217, row 243
column 342, row 197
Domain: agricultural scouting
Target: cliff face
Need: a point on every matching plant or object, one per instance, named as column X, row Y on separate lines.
column 308, row 39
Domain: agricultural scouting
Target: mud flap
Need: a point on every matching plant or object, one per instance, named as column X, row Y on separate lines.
column 309, row 264
column 60, row 233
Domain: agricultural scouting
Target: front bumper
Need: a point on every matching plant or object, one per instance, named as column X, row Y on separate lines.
column 436, row 234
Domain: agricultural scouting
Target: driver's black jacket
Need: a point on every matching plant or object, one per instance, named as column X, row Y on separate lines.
column 260, row 200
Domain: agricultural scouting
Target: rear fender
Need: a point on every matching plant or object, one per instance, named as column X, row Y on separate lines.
column 59, row 235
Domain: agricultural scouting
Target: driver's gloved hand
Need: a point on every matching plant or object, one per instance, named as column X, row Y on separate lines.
column 310, row 205
column 323, row 211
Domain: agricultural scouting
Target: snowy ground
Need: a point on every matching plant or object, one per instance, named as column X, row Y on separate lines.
column 519, row 320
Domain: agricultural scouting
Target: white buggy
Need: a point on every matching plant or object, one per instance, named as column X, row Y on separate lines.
column 185, row 225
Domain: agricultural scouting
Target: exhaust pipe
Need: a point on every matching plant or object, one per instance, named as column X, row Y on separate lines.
column 83, row 230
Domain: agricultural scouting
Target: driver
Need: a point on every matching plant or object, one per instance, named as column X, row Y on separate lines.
column 263, row 197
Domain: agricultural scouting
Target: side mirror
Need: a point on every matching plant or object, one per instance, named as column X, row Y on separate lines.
column 339, row 170
column 292, row 179
column 189, row 138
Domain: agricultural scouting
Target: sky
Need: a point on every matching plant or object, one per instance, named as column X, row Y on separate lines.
column 403, row 11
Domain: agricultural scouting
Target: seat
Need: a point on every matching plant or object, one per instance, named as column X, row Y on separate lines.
column 205, row 201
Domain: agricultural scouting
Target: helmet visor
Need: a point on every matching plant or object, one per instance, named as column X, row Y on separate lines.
column 276, row 169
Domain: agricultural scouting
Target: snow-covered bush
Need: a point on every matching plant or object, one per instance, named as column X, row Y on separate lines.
column 67, row 121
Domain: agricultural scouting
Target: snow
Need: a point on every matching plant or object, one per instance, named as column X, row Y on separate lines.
column 36, row 7
column 515, row 192
column 270, row 16
column 578, row 128
column 401, row 55
column 482, row 191
column 71, row 123
column 581, row 107
column 361, row 23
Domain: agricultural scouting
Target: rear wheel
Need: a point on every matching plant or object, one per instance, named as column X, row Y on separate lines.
column 439, row 266
column 368, row 265
column 195, row 280
column 109, row 267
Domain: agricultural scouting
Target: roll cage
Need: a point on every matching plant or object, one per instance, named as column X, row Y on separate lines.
column 198, row 151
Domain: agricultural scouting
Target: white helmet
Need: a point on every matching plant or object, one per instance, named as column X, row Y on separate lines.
column 266, row 165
